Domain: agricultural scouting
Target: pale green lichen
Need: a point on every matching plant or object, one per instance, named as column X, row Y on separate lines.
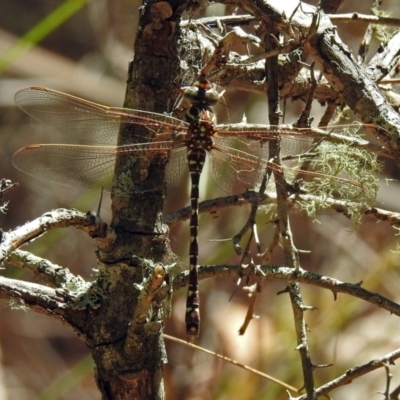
column 82, row 294
column 339, row 171
column 18, row 304
column 126, row 182
column 383, row 33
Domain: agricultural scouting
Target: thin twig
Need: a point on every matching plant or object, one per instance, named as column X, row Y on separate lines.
column 370, row 19
column 355, row 372
column 233, row 362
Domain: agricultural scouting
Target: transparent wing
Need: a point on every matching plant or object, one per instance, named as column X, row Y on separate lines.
column 246, row 161
column 177, row 163
column 90, row 167
column 246, row 153
column 234, row 160
column 90, row 121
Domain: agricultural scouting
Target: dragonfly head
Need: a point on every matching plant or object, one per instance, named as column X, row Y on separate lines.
column 201, row 94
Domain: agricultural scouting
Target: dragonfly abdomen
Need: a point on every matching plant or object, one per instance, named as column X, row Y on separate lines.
column 198, row 143
column 196, row 160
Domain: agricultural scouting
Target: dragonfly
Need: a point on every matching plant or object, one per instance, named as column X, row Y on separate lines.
column 237, row 152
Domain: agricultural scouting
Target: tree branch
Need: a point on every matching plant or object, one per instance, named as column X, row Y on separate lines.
column 284, row 273
column 355, row 372
column 61, row 218
column 336, row 62
column 250, row 197
column 41, row 299
column 49, row 273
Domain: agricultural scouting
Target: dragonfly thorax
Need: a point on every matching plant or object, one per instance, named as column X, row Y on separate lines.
column 201, row 135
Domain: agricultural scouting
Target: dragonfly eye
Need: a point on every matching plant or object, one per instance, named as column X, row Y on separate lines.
column 211, row 97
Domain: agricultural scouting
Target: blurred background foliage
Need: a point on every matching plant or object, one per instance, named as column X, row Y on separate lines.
column 83, row 48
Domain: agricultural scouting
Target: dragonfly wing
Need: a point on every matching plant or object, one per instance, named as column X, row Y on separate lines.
column 233, row 160
column 90, row 121
column 90, row 167
column 79, row 166
column 177, row 162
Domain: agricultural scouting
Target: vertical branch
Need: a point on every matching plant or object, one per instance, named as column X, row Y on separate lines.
column 364, row 46
column 285, row 234
column 274, row 153
column 301, row 334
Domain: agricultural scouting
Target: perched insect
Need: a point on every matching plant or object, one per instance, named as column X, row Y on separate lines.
column 238, row 152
